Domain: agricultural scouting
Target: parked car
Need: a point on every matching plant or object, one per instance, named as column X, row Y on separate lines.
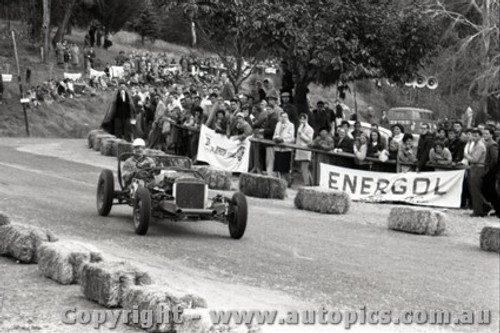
column 172, row 191
column 411, row 118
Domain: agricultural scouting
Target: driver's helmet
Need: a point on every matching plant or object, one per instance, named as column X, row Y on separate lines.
column 139, row 143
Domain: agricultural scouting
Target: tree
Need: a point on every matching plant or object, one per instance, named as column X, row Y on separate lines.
column 330, row 42
column 67, row 6
column 232, row 29
column 147, row 24
column 473, row 50
column 115, row 14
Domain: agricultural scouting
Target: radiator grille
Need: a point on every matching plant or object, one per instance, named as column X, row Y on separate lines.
column 189, row 195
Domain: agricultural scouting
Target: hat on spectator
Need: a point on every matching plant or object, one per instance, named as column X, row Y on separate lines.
column 272, row 94
column 285, row 94
column 240, row 114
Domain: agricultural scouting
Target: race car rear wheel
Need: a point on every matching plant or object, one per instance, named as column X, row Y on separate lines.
column 238, row 214
column 142, row 210
column 105, row 192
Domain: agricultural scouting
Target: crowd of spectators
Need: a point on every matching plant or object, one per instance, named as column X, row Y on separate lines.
column 166, row 100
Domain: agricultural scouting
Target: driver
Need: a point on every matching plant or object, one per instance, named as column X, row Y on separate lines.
column 138, row 161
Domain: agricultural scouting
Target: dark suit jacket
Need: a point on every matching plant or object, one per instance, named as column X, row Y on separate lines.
column 346, row 144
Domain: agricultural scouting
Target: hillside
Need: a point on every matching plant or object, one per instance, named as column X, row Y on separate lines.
column 74, row 117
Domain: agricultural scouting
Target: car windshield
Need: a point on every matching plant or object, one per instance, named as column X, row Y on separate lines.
column 172, row 161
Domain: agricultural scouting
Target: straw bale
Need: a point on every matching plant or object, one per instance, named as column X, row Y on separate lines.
column 98, row 139
column 91, row 136
column 107, row 146
column 63, row 261
column 322, row 200
column 260, row 186
column 159, row 301
column 490, row 239
column 417, row 220
column 216, row 179
column 107, row 282
column 21, row 241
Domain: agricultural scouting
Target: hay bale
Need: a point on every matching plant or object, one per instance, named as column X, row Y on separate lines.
column 91, row 136
column 114, row 146
column 261, row 186
column 4, row 219
column 490, row 239
column 106, row 282
column 322, row 200
column 107, row 146
column 63, row 261
column 123, row 147
column 417, row 220
column 98, row 139
column 158, row 300
column 216, row 179
column 21, row 241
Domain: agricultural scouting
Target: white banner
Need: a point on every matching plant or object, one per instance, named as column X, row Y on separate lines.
column 7, row 77
column 116, row 71
column 94, row 73
column 222, row 152
column 72, row 76
column 438, row 188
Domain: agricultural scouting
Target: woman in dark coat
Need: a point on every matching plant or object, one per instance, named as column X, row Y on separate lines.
column 117, row 118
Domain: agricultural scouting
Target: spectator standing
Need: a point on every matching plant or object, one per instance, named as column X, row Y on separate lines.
column 269, row 128
column 360, row 149
column 357, row 130
column 75, row 55
column 384, row 121
column 440, row 155
column 289, row 108
column 227, row 88
column 406, row 154
column 321, row 118
column 456, row 146
column 475, row 153
column 376, row 145
column 117, row 119
column 283, row 133
column 425, row 143
column 305, row 134
column 343, row 144
column 395, row 140
column 491, row 167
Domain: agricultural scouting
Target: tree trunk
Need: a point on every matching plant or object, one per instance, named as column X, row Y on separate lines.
column 300, row 97
column 46, row 29
column 142, row 39
column 62, row 26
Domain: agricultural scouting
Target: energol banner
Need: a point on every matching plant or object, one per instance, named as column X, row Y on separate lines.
column 438, row 188
column 222, row 152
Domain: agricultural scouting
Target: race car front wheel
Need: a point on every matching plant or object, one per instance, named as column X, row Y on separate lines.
column 237, row 215
column 105, row 192
column 142, row 210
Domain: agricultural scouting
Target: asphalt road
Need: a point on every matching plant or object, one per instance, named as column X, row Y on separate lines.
column 328, row 260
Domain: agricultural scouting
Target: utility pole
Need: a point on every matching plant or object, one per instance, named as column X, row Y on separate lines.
column 20, row 84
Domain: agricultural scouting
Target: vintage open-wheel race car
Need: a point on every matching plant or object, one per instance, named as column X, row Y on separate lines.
column 170, row 190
